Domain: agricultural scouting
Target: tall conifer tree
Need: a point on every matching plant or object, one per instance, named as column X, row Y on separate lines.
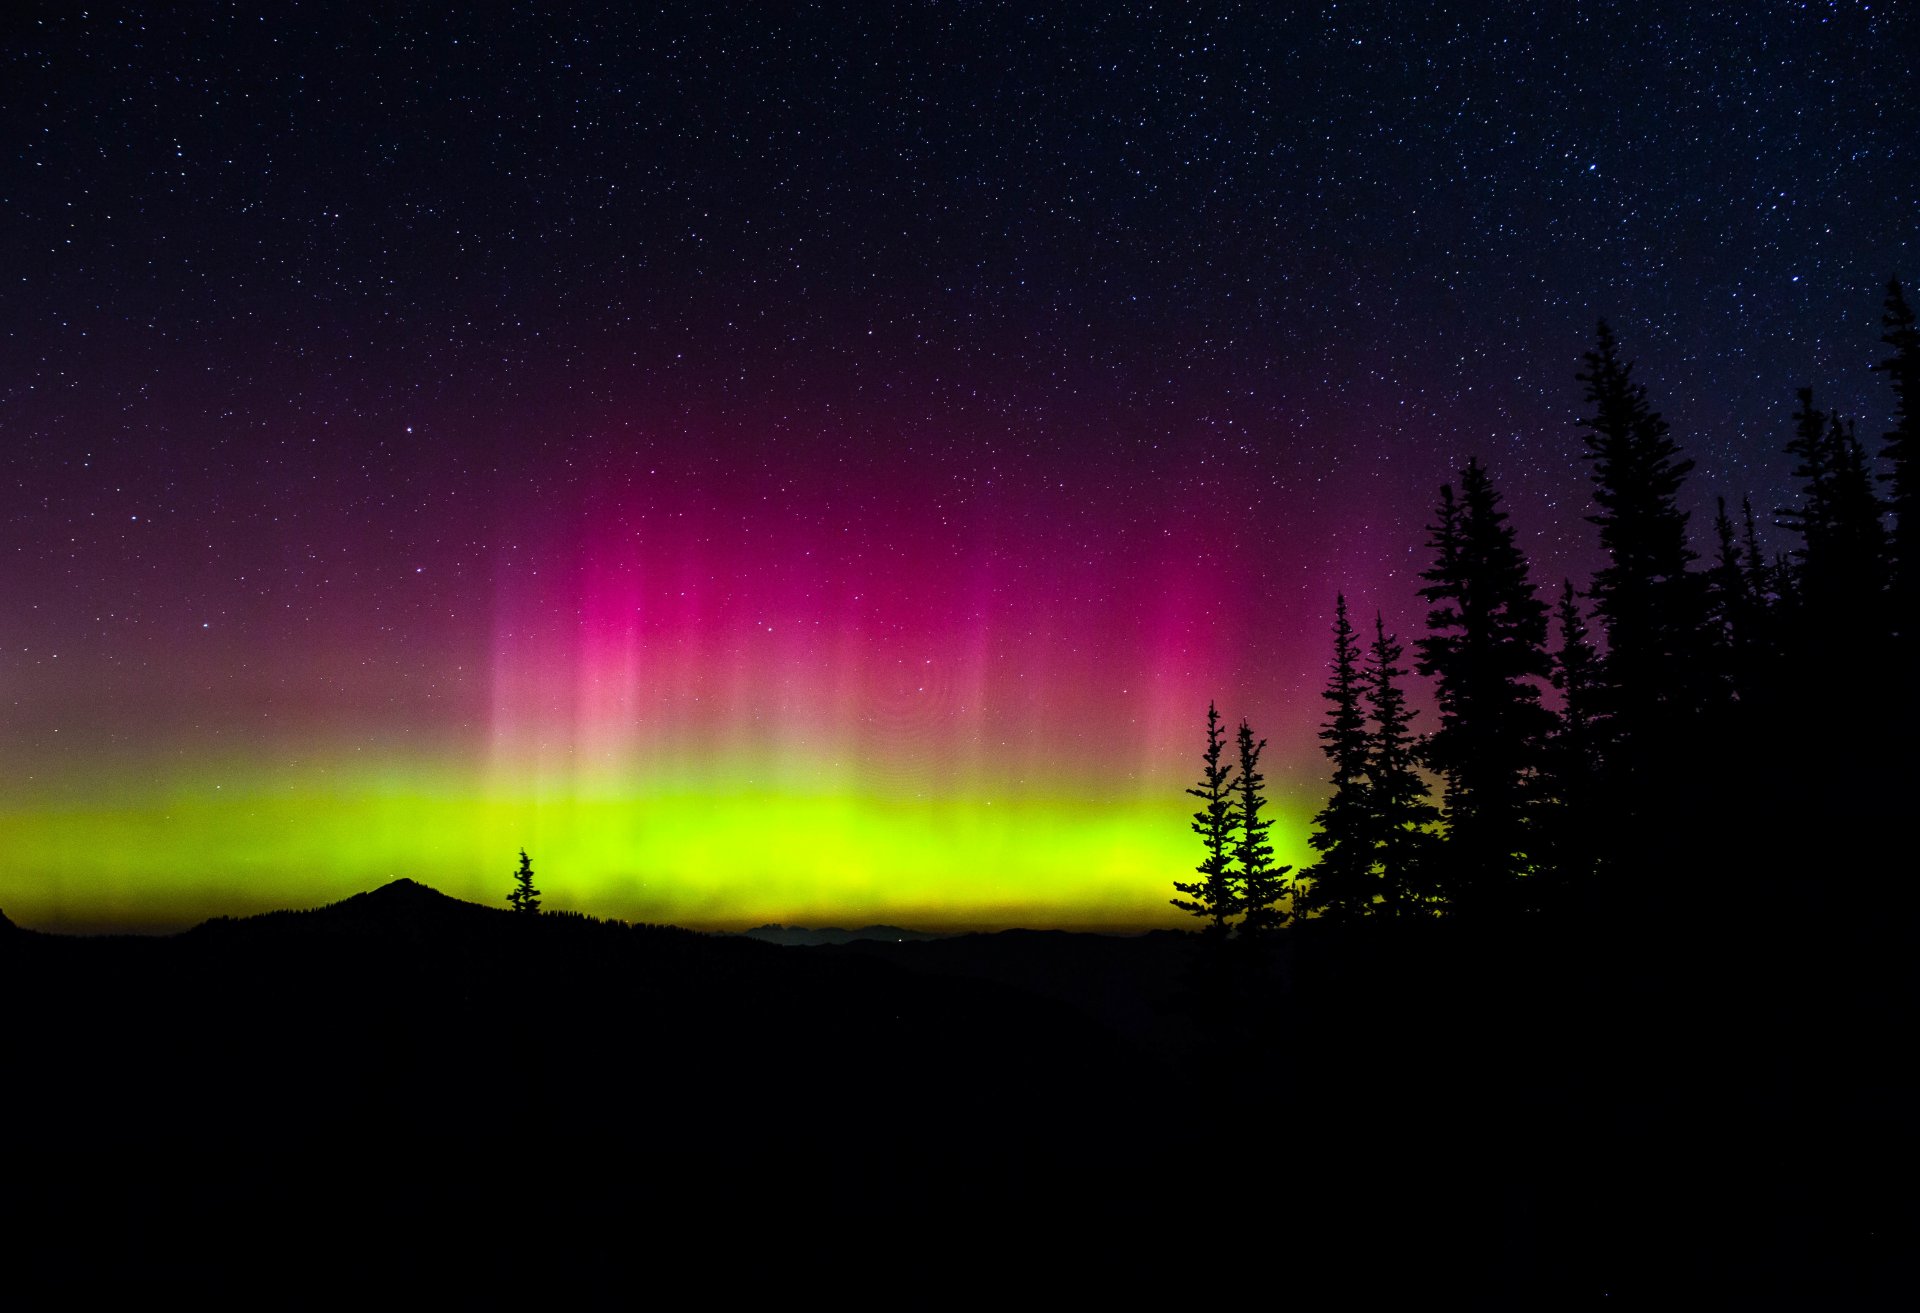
column 1730, row 608
column 1342, row 883
column 1859, row 537
column 1262, row 884
column 1403, row 818
column 1648, row 603
column 1574, row 759
column 1760, row 645
column 1902, row 452
column 1841, row 559
column 1813, row 518
column 1754, row 564
column 1726, row 578
column 1576, row 676
column 1485, row 645
column 1212, row 897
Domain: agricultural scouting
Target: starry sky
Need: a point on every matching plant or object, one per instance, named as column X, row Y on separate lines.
column 816, row 464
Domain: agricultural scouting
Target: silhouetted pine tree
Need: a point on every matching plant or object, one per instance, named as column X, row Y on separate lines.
column 1726, row 579
column 1902, row 369
column 1890, row 794
column 1212, row 896
column 1576, row 676
column 1784, row 586
column 1262, row 884
column 1402, row 818
column 1759, row 576
column 1758, row 642
column 524, row 897
column 1808, row 447
column 1730, row 608
column 1648, row 603
column 1831, row 622
column 1573, row 759
column 1841, row 559
column 1486, row 642
column 1860, row 538
column 1342, row 884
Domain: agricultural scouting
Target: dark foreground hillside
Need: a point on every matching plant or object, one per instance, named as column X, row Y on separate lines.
column 1536, row 1119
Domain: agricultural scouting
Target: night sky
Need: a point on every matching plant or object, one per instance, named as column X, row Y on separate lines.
column 818, row 468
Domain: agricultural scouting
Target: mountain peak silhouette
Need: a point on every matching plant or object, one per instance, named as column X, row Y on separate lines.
column 402, row 902
column 402, row 906
column 401, row 892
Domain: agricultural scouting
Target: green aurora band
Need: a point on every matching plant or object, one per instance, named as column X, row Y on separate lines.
column 709, row 854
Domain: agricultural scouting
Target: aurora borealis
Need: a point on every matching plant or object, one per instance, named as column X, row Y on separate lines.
column 819, row 469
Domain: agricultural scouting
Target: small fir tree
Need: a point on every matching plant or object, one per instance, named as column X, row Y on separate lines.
column 523, row 897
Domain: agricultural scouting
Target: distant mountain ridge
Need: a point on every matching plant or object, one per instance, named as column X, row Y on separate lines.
column 795, row 936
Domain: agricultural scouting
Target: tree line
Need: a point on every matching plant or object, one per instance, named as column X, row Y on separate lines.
column 1720, row 732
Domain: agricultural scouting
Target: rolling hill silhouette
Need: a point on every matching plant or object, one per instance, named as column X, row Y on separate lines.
column 257, row 1073
column 390, row 1007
